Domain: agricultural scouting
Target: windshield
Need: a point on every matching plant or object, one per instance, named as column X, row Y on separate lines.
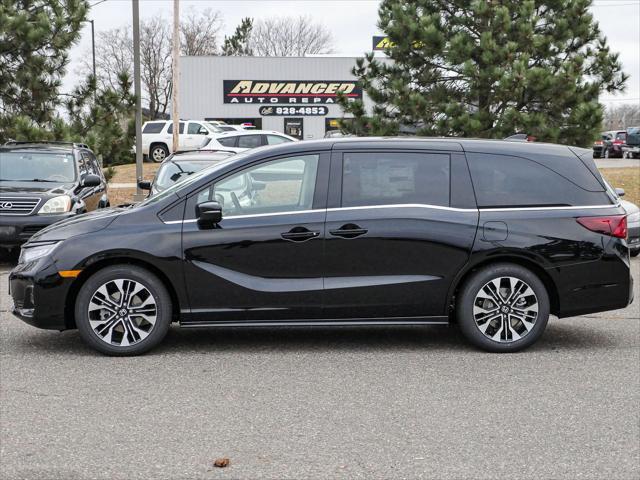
column 37, row 167
column 191, row 179
column 171, row 172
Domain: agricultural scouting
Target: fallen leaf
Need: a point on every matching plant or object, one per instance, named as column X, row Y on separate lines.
column 221, row 462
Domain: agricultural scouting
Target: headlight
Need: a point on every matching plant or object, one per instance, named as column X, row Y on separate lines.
column 60, row 204
column 29, row 254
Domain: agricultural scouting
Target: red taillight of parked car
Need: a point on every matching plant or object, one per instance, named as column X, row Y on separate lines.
column 598, row 142
column 613, row 225
column 618, row 142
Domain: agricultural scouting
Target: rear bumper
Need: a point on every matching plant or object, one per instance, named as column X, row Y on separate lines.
column 598, row 286
column 39, row 294
column 17, row 229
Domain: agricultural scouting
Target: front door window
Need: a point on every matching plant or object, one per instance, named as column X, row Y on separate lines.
column 283, row 185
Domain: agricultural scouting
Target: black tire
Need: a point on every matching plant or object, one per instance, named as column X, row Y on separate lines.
column 158, row 152
column 467, row 296
column 635, row 253
column 143, row 277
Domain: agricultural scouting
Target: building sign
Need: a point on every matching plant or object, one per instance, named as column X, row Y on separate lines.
column 381, row 42
column 289, row 92
column 269, row 110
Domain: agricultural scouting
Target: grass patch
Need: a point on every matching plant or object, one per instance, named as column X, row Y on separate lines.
column 127, row 173
column 627, row 178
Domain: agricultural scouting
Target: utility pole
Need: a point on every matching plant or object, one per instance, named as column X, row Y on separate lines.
column 175, row 115
column 136, row 82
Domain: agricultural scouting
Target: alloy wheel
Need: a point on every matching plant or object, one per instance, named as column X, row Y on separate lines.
column 505, row 309
column 158, row 154
column 122, row 312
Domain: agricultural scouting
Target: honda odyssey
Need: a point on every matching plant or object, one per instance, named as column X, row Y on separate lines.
column 491, row 235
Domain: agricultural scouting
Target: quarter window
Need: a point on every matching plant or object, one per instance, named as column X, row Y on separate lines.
column 283, row 185
column 392, row 178
column 506, row 181
column 154, row 127
column 227, row 141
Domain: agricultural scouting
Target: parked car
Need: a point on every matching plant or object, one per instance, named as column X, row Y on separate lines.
column 492, row 235
column 610, row 144
column 180, row 165
column 157, row 137
column 247, row 139
column 44, row 182
column 633, row 225
column 631, row 148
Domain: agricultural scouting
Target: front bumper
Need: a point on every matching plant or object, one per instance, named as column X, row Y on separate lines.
column 39, row 294
column 17, row 229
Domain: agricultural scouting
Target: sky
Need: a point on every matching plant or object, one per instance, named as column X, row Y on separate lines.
column 352, row 23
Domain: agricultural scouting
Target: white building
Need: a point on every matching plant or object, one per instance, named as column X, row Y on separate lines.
column 293, row 95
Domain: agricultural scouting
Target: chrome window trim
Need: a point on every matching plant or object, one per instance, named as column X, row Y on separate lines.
column 406, row 205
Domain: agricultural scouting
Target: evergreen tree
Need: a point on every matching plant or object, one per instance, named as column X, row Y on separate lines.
column 488, row 69
column 104, row 118
column 35, row 38
column 239, row 43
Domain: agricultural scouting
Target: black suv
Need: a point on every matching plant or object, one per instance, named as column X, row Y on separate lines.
column 44, row 182
column 493, row 235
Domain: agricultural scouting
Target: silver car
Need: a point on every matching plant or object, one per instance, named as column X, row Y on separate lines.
column 633, row 226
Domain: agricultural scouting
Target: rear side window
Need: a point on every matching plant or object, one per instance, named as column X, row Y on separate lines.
column 392, row 178
column 249, row 141
column 180, row 128
column 227, row 141
column 154, row 127
column 506, row 181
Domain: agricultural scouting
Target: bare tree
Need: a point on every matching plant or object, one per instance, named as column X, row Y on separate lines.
column 155, row 63
column 290, row 37
column 618, row 117
column 199, row 32
column 114, row 54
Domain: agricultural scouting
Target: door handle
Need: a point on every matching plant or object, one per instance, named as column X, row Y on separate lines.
column 299, row 234
column 350, row 230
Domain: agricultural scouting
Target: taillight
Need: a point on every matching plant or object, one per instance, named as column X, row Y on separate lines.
column 613, row 225
column 618, row 142
column 598, row 142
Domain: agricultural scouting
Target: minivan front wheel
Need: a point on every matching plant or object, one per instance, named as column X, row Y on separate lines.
column 503, row 308
column 123, row 311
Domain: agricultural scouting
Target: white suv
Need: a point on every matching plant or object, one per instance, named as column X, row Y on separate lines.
column 157, row 137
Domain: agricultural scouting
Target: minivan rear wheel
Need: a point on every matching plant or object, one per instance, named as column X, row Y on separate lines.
column 123, row 310
column 503, row 308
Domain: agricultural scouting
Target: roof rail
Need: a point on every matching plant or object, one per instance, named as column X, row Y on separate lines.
column 47, row 142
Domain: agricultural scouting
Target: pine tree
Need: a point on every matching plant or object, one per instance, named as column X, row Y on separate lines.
column 35, row 38
column 238, row 43
column 103, row 118
column 488, row 69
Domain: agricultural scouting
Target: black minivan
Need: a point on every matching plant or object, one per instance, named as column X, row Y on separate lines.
column 492, row 235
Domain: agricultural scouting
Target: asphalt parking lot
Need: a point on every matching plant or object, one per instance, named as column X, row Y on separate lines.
column 323, row 403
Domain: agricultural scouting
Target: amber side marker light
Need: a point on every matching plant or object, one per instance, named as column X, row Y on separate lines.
column 69, row 273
